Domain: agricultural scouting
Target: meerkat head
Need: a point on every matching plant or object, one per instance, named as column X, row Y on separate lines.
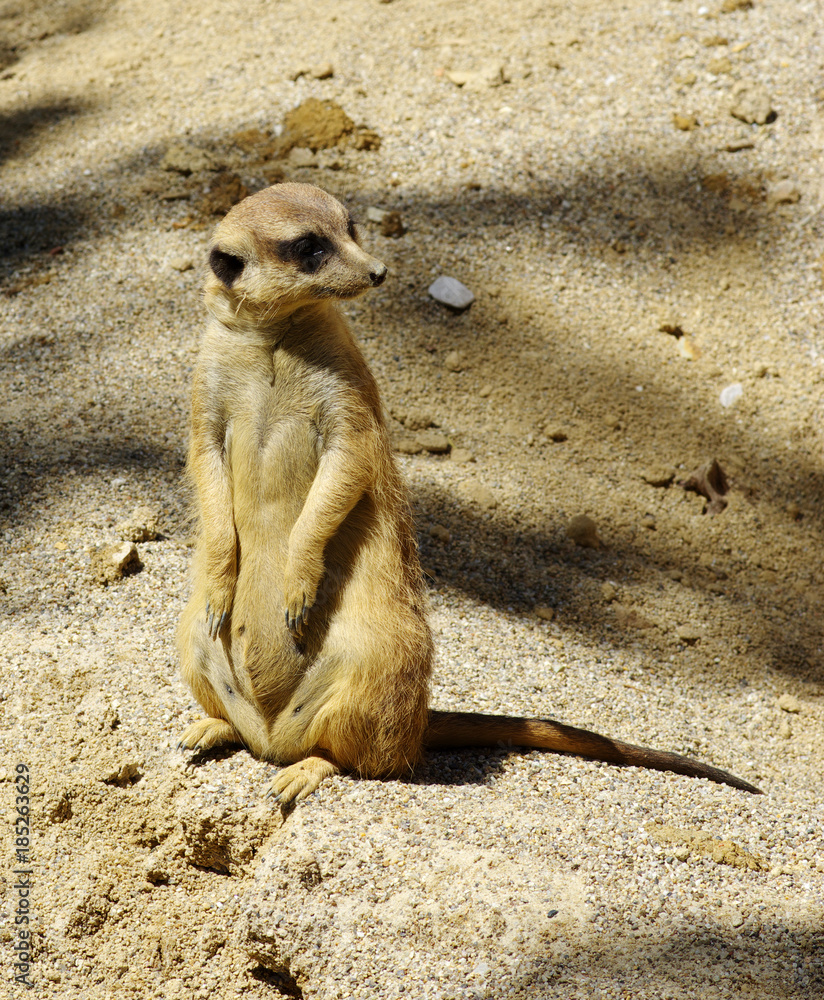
column 285, row 247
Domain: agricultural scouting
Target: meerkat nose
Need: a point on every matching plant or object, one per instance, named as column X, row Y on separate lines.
column 378, row 275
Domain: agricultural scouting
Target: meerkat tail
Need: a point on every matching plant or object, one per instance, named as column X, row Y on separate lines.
column 464, row 729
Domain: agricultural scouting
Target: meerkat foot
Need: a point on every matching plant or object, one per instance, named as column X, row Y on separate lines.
column 298, row 781
column 207, row 733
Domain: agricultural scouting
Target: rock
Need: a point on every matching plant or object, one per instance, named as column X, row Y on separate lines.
column 454, row 361
column 226, row 190
column 302, row 156
column 658, row 475
column 730, row 394
column 688, row 634
column 686, row 123
column 439, row 533
column 433, row 441
column 322, row 71
column 783, row 193
column 414, row 418
column 730, row 6
column 140, row 527
column 461, row 455
column 407, row 445
column 490, row 74
column 789, row 703
column 719, row 66
column 544, row 613
column 477, row 493
column 751, row 103
column 674, row 574
column 709, row 481
column 736, row 145
column 584, row 532
column 181, row 264
column 609, row 591
column 376, row 214
column 648, row 521
column 123, row 775
column 450, row 292
column 186, row 159
column 112, row 562
column 556, row 434
column 687, row 79
column 392, row 225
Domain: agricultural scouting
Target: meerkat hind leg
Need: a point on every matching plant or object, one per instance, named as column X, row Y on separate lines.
column 298, row 781
column 207, row 733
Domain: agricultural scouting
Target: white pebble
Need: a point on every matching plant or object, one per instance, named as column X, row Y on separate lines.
column 451, row 292
column 731, row 393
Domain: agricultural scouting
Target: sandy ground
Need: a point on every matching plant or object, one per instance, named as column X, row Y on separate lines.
column 635, row 250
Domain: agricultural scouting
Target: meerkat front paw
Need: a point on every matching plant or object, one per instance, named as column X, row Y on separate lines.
column 298, row 781
column 207, row 733
column 218, row 608
column 299, row 593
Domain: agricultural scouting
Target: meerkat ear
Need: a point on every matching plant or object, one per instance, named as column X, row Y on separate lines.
column 226, row 266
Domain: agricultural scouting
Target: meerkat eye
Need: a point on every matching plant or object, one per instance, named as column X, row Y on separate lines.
column 226, row 266
column 310, row 253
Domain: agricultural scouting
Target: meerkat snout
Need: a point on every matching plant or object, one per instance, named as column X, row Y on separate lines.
column 378, row 275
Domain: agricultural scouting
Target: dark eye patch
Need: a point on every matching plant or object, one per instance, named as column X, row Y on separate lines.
column 307, row 252
column 226, row 266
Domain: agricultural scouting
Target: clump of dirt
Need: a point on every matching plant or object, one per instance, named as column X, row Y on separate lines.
column 694, row 841
column 316, row 125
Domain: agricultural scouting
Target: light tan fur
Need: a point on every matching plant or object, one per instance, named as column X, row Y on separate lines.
column 306, row 637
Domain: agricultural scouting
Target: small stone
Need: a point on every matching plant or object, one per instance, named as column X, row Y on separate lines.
column 433, row 441
column 583, row 531
column 730, row 6
column 367, row 139
column 681, row 853
column 407, row 445
column 783, row 193
column 609, row 591
column 490, row 74
column 658, row 475
column 439, row 533
column 785, row 730
column 731, row 394
column 719, row 66
column 674, row 574
column 485, row 391
column 479, row 494
column 736, row 918
column 112, row 562
column 789, row 703
column 688, row 349
column 185, row 159
column 124, row 775
column 461, row 455
column 414, row 418
column 301, row 156
column 392, row 225
column 687, row 79
column 454, row 361
column 181, row 264
column 738, row 144
column 376, row 214
column 544, row 613
column 751, row 103
column 452, row 293
column 322, row 71
column 140, row 527
column 648, row 521
column 688, row 634
column 686, row 123
column 556, row 434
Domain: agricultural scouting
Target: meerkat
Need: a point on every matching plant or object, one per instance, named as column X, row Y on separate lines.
column 306, row 637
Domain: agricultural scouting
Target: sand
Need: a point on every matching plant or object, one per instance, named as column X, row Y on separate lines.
column 637, row 254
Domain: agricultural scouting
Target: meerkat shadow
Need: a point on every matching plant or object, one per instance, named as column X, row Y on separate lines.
column 214, row 754
column 448, row 767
